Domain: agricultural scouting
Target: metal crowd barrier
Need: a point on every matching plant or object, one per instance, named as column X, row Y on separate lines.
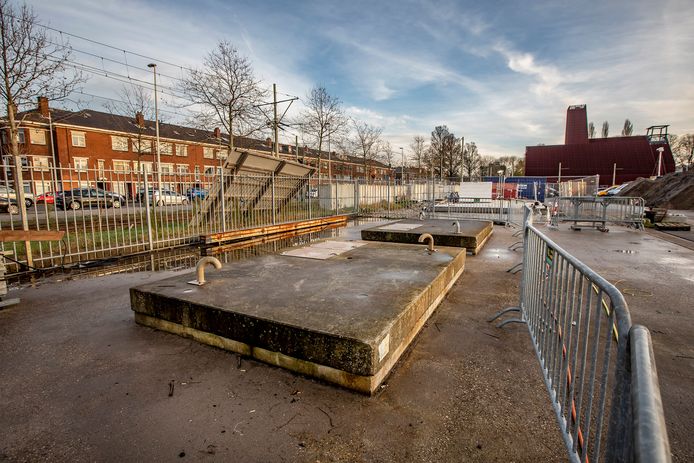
column 599, row 369
column 599, row 211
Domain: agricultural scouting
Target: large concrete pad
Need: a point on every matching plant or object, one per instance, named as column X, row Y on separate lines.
column 345, row 319
column 472, row 236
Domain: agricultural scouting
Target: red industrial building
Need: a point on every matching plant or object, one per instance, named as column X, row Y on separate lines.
column 625, row 158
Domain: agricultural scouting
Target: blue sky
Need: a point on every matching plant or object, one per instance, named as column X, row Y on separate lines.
column 499, row 73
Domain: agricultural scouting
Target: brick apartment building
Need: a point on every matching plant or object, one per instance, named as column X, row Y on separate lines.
column 105, row 150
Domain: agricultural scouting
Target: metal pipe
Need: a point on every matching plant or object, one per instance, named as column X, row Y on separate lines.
column 427, row 237
column 456, row 224
column 200, row 269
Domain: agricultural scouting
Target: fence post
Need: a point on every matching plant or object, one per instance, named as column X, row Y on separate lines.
column 148, row 212
column 272, row 179
column 388, row 196
column 221, row 187
column 356, row 196
column 310, row 195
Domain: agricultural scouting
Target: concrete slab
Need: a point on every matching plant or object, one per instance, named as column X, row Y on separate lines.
column 473, row 233
column 346, row 319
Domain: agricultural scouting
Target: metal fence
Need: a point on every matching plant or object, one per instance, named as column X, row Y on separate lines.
column 598, row 368
column 599, row 210
column 105, row 213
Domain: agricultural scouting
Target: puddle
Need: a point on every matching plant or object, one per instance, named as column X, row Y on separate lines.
column 187, row 257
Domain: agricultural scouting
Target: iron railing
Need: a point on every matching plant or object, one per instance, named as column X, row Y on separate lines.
column 598, row 368
column 599, row 210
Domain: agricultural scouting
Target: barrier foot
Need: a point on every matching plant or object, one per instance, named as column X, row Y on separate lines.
column 516, row 268
column 499, row 314
column 516, row 245
column 510, row 320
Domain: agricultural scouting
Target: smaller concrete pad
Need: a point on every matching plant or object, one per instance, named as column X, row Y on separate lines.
column 473, row 233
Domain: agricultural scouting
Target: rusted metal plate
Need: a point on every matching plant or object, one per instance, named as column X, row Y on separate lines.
column 270, row 229
column 30, row 235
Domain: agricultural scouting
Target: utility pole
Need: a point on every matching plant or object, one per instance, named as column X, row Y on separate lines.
column 296, row 147
column 402, row 168
column 660, row 158
column 276, row 150
column 156, row 122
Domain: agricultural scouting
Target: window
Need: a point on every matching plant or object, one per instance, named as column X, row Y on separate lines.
column 20, row 137
column 223, row 153
column 119, row 143
column 181, row 150
column 147, row 166
column 166, row 168
column 207, row 152
column 121, row 166
column 25, row 162
column 165, row 148
column 80, row 163
column 37, row 136
column 197, row 173
column 78, row 139
column 182, row 168
column 209, row 170
column 41, row 162
column 100, row 167
column 144, row 147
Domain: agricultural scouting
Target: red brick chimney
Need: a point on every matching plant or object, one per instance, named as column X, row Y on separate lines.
column 576, row 125
column 43, row 106
column 139, row 119
column 217, row 132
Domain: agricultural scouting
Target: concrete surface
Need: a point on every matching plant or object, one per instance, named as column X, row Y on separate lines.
column 657, row 280
column 82, row 382
column 346, row 319
column 473, row 233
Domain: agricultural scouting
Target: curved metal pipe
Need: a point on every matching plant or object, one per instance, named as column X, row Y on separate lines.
column 200, row 269
column 427, row 237
column 456, row 224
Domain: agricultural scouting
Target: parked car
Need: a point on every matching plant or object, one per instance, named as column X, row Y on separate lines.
column 9, row 205
column 78, row 198
column 197, row 193
column 167, row 197
column 7, row 192
column 48, row 197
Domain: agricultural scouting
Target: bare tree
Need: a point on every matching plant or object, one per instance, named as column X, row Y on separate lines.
column 591, row 130
column 444, row 152
column 323, row 118
column 471, row 161
column 226, row 91
column 387, row 153
column 628, row 128
column 134, row 100
column 419, row 149
column 32, row 65
column 365, row 142
column 605, row 129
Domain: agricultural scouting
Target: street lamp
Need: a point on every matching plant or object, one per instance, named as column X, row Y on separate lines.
column 156, row 123
column 500, row 189
column 402, row 168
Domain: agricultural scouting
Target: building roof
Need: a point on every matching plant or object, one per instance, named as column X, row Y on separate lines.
column 89, row 118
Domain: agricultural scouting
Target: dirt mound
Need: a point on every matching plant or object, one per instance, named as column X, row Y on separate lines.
column 671, row 191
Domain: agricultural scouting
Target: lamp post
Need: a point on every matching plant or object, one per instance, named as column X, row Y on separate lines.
column 156, row 124
column 660, row 158
column 500, row 189
column 402, row 168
